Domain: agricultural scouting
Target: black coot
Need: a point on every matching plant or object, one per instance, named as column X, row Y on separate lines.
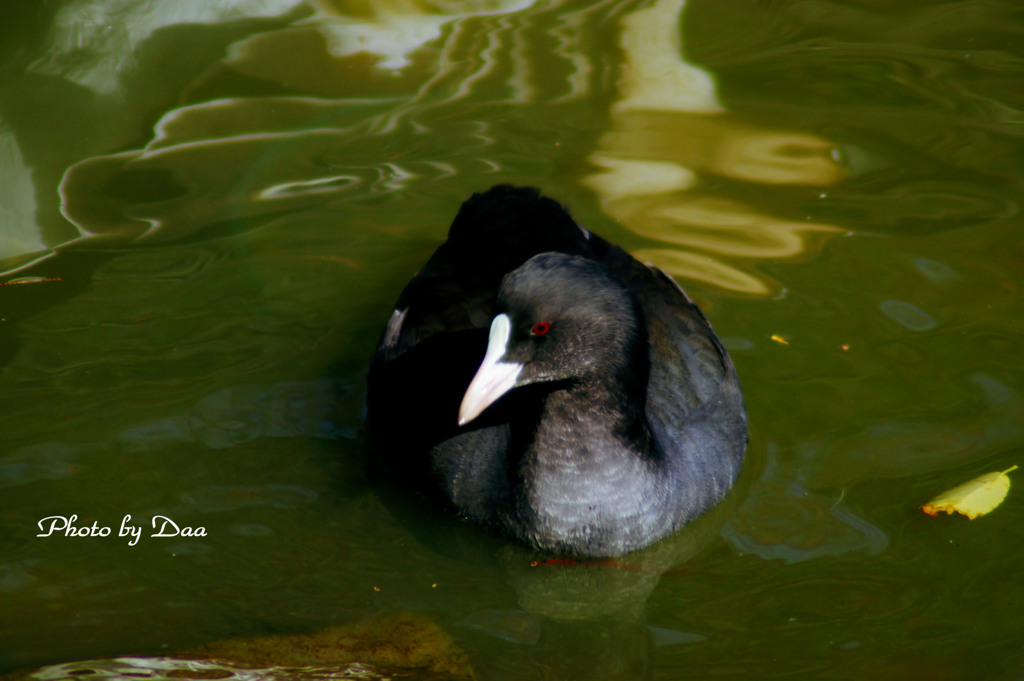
column 546, row 383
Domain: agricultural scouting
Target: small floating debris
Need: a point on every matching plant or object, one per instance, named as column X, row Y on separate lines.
column 974, row 498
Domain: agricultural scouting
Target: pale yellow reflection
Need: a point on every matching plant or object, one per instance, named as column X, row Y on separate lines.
column 622, row 178
column 381, row 82
column 251, row 156
column 667, row 131
column 655, row 77
column 723, row 240
column 17, row 202
column 704, row 268
column 387, row 33
column 721, row 225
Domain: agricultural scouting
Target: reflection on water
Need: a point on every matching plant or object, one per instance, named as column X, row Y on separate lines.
column 907, row 315
column 255, row 157
column 667, row 130
column 795, row 524
column 209, row 207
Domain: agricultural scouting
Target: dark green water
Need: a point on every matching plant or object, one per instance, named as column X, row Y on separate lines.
column 206, row 216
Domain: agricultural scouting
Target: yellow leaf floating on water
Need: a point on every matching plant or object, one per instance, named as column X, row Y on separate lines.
column 974, row 498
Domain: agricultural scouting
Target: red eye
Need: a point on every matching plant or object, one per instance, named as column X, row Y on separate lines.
column 540, row 328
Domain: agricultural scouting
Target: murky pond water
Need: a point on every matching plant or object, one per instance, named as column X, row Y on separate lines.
column 208, row 209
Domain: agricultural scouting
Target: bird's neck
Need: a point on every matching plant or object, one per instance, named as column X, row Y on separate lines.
column 585, row 422
column 592, row 473
column 603, row 412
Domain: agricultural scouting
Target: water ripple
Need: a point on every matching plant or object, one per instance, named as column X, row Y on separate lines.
column 907, row 315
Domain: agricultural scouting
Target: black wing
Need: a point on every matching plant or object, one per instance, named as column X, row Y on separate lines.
column 694, row 404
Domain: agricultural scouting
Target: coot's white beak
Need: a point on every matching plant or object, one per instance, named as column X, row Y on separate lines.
column 494, row 378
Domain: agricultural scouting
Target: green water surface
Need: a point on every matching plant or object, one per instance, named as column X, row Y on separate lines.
column 207, row 211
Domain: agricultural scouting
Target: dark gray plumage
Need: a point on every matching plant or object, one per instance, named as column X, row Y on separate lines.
column 604, row 413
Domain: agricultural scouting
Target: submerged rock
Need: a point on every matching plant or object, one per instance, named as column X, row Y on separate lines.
column 403, row 645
